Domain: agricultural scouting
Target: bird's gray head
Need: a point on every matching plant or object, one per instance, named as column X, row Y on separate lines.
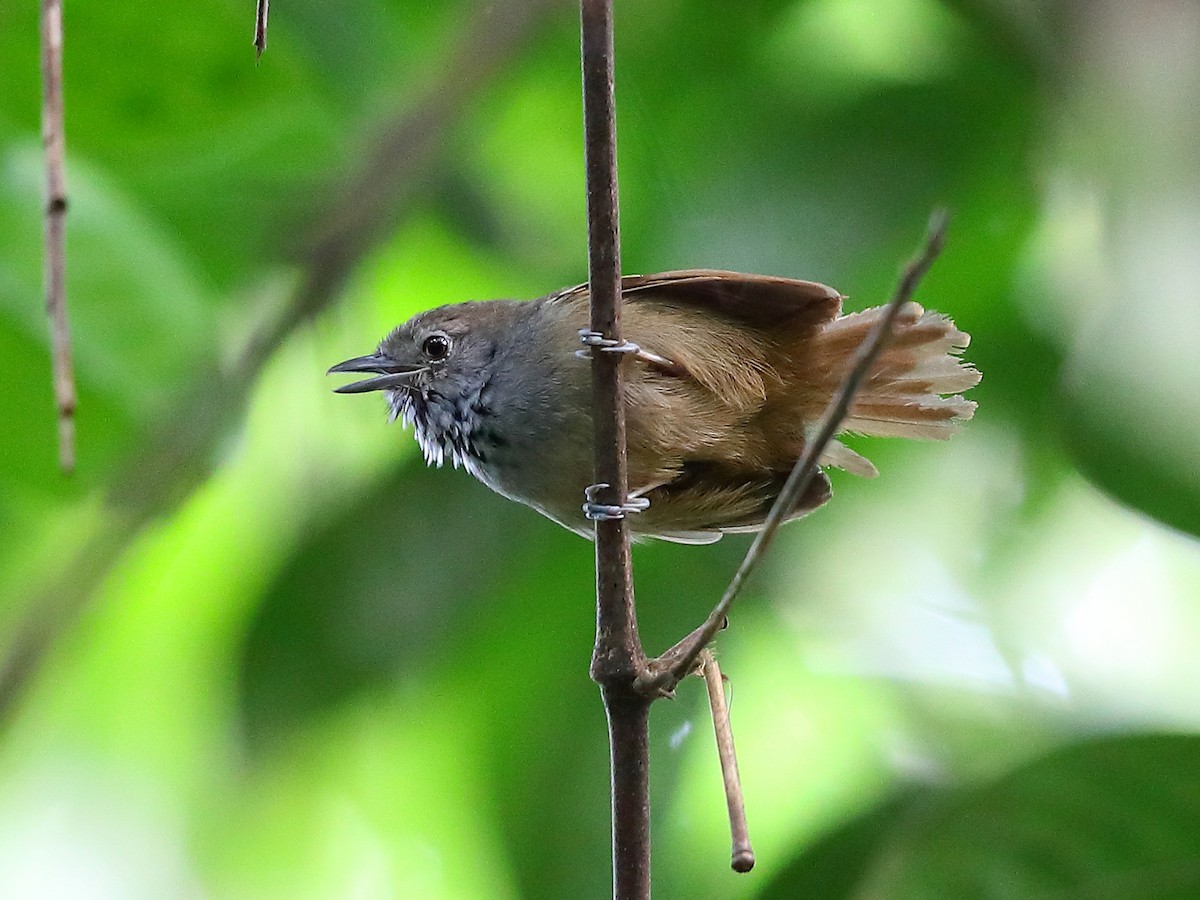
column 435, row 369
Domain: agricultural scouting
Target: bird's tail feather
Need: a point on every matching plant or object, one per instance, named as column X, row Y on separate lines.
column 912, row 391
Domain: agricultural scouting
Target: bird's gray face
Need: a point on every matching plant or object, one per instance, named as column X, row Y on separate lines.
column 434, row 369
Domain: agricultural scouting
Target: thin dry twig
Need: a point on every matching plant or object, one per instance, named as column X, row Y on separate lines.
column 261, row 10
column 54, row 140
column 665, row 672
column 742, row 855
column 617, row 659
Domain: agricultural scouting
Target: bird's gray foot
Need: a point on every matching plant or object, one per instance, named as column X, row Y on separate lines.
column 603, row 512
column 592, row 339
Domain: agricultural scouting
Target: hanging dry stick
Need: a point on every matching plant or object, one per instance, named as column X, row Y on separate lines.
column 742, row 856
column 54, row 140
column 260, row 28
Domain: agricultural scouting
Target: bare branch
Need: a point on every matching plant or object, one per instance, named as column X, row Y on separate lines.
column 54, row 139
column 663, row 673
column 617, row 647
column 618, row 657
column 261, row 11
column 742, row 856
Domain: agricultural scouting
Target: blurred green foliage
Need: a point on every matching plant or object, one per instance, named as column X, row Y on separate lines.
column 322, row 670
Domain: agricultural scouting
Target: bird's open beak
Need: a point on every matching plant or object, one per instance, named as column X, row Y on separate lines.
column 389, row 374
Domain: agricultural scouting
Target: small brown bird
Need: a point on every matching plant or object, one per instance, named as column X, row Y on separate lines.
column 731, row 376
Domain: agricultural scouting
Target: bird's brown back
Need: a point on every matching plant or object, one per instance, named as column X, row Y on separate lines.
column 722, row 353
column 735, row 372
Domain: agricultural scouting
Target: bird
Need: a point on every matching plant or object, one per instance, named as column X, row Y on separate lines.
column 729, row 376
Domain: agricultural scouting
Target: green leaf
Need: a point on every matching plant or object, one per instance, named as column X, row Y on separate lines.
column 834, row 866
column 1111, row 818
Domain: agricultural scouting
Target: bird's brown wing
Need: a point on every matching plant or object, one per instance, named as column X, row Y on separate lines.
column 760, row 301
column 732, row 333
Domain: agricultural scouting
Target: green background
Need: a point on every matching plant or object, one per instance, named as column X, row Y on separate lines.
column 275, row 657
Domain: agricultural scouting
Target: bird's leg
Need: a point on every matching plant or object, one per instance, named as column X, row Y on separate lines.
column 592, row 339
column 608, row 345
column 600, row 512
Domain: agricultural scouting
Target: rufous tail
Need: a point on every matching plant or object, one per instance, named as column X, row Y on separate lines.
column 912, row 389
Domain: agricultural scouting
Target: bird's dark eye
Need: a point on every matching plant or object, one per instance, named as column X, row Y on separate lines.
column 436, row 346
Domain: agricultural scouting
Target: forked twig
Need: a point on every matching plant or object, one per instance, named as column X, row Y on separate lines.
column 742, row 858
column 54, row 139
column 662, row 674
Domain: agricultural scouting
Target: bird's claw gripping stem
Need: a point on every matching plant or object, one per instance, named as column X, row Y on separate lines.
column 603, row 512
column 607, row 345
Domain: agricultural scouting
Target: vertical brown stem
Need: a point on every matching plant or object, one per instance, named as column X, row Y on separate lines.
column 629, row 754
column 618, row 656
column 54, row 140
